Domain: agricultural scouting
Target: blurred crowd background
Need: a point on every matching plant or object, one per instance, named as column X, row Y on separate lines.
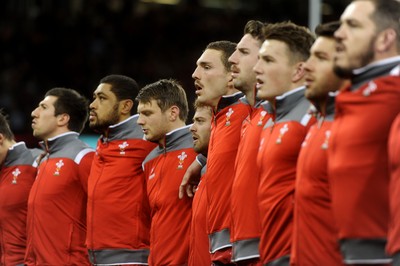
column 74, row 43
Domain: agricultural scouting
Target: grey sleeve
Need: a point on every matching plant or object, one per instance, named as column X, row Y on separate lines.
column 201, row 159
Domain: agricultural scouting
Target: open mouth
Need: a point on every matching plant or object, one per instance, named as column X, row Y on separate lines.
column 198, row 88
column 259, row 83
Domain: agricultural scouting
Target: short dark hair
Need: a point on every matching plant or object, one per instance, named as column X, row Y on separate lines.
column 299, row 39
column 70, row 102
column 387, row 15
column 255, row 29
column 5, row 126
column 167, row 92
column 227, row 48
column 122, row 86
column 327, row 29
column 199, row 104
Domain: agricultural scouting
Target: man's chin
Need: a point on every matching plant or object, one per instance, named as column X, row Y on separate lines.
column 343, row 72
column 152, row 140
column 36, row 135
column 96, row 128
column 308, row 94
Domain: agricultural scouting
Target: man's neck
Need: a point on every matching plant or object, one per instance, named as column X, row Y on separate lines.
column 9, row 143
column 174, row 126
column 250, row 96
column 57, row 133
column 230, row 91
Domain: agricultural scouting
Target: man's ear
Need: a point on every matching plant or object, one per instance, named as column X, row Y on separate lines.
column 63, row 119
column 2, row 138
column 174, row 112
column 385, row 40
column 298, row 72
column 126, row 106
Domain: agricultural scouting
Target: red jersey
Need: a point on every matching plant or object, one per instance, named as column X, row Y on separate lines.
column 118, row 212
column 314, row 232
column 17, row 175
column 358, row 162
column 223, row 146
column 199, row 254
column 280, row 144
column 393, row 246
column 246, row 225
column 56, row 224
column 164, row 168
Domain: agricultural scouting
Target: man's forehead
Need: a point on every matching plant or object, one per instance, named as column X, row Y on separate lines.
column 202, row 112
column 148, row 104
column 246, row 40
column 210, row 56
column 104, row 88
column 359, row 10
column 268, row 44
column 50, row 99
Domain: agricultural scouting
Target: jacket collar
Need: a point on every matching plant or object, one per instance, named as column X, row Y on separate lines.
column 121, row 129
column 328, row 113
column 172, row 138
column 372, row 71
column 14, row 152
column 228, row 100
column 257, row 102
column 286, row 102
column 58, row 142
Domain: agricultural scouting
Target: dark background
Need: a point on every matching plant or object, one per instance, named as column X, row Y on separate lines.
column 74, row 43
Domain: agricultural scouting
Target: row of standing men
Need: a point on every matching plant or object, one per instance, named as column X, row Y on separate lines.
column 280, row 183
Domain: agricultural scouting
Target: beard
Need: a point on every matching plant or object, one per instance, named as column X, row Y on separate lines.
column 363, row 60
column 238, row 84
column 112, row 118
column 342, row 72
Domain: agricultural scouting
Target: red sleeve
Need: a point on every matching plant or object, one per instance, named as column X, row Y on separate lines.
column 394, row 189
column 84, row 169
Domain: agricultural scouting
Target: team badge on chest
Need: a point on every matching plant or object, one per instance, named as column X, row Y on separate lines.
column 181, row 158
column 59, row 164
column 369, row 89
column 262, row 116
column 122, row 147
column 15, row 174
column 282, row 132
column 228, row 117
column 324, row 145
